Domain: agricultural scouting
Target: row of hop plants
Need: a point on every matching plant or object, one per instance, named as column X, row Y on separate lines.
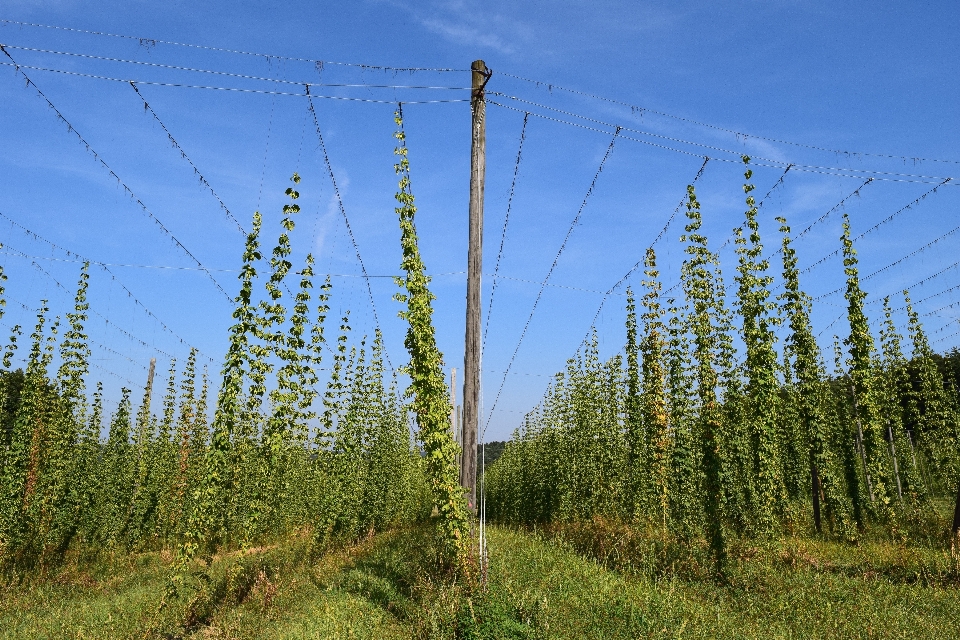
column 701, row 443
column 282, row 454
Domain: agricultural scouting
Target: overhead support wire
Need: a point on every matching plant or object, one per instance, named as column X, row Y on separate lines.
column 878, row 299
column 920, row 301
column 619, row 133
column 106, row 268
column 738, row 227
column 90, row 362
column 158, row 266
column 952, row 305
column 738, row 154
column 741, row 226
column 332, row 275
column 543, row 285
column 676, row 210
column 503, row 234
column 241, row 76
column 100, row 345
column 944, row 328
column 835, row 321
column 343, row 214
column 630, row 272
column 549, row 284
column 215, row 88
column 777, row 164
column 183, row 154
column 895, row 263
column 70, row 295
column 319, row 64
column 946, row 336
column 98, row 158
column 855, row 192
column 739, row 134
column 879, row 224
column 152, row 42
column 915, row 303
column 924, row 281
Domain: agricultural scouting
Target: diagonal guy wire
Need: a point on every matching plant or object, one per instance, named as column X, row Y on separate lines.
column 113, row 174
column 553, row 266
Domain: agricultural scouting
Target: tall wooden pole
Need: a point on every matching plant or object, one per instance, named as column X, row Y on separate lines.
column 149, row 391
column 147, row 394
column 453, row 405
column 153, row 366
column 471, row 357
column 454, row 415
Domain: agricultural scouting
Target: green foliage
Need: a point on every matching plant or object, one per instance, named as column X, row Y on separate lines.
column 702, row 287
column 263, row 467
column 696, row 448
column 540, row 586
column 637, row 452
column 654, row 417
column 812, row 397
column 428, row 390
column 762, row 387
column 865, row 387
column 679, row 457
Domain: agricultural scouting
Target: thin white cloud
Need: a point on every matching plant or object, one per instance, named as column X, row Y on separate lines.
column 506, row 27
column 765, row 149
column 461, row 24
column 465, row 35
column 329, row 221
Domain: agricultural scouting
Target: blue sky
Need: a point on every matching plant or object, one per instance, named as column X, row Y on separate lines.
column 802, row 80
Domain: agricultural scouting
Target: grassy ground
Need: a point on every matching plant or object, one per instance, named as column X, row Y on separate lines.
column 537, row 589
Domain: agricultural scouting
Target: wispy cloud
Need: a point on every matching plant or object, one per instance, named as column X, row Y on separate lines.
column 462, row 24
column 765, row 149
column 511, row 29
column 459, row 32
column 329, row 221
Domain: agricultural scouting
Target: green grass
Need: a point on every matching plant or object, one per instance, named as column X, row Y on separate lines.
column 382, row 588
column 810, row 590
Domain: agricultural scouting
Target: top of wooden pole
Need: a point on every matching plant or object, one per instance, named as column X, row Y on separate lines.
column 480, row 76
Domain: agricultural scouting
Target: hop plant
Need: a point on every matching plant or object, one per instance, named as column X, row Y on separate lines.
column 428, row 390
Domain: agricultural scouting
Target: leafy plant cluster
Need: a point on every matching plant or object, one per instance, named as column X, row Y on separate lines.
column 703, row 443
column 281, row 453
column 428, row 390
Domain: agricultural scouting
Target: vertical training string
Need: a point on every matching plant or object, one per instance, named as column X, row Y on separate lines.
column 543, row 285
column 503, row 235
column 346, row 220
column 183, row 154
column 609, row 292
column 113, row 174
column 106, row 268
